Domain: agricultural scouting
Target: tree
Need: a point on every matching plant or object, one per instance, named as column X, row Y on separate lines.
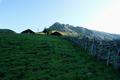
column 45, row 30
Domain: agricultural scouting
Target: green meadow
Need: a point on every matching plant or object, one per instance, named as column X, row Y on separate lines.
column 42, row 57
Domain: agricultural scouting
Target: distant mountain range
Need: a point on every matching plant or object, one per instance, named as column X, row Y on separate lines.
column 80, row 31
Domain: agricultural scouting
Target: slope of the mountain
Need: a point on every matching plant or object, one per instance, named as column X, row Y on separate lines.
column 6, row 31
column 38, row 57
column 78, row 31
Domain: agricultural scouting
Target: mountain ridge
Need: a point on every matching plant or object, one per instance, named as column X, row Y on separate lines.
column 78, row 31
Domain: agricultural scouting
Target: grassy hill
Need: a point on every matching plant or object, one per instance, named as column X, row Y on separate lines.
column 40, row 57
column 6, row 31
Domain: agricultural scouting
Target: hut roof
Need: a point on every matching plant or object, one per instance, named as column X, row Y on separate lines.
column 56, row 33
column 28, row 31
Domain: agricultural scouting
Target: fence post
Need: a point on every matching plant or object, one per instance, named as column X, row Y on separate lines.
column 117, row 60
column 93, row 48
column 108, row 57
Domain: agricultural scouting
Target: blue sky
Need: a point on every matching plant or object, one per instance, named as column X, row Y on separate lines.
column 19, row 15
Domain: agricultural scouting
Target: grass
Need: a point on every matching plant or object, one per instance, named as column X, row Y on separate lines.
column 38, row 57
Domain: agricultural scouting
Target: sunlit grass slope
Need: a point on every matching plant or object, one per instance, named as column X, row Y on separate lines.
column 40, row 57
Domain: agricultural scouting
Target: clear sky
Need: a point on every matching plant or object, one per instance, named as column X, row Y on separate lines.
column 102, row 15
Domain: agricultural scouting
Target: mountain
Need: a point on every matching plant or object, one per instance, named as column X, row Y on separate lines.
column 80, row 31
column 41, row 57
column 101, row 45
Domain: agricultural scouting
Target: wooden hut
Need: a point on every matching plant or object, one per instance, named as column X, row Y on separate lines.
column 56, row 33
column 28, row 31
